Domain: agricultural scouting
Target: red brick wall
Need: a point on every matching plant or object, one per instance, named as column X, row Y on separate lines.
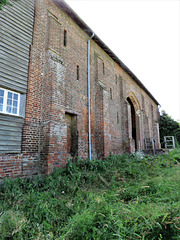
column 53, row 90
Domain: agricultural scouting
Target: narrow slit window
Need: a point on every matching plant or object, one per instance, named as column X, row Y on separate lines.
column 111, row 93
column 65, row 38
column 77, row 72
column 117, row 118
column 143, row 103
column 116, row 78
column 103, row 69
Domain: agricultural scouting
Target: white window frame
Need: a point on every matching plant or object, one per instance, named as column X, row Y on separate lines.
column 5, row 102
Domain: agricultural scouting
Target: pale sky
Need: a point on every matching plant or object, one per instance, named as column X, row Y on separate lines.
column 145, row 35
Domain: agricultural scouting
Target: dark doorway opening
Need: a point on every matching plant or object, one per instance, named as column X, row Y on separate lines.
column 133, row 121
column 72, row 134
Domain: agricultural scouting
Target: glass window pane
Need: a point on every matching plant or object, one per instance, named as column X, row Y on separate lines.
column 15, row 96
column 10, row 95
column 1, row 92
column 15, row 103
column 8, row 109
column 1, row 100
column 9, row 102
column 14, row 110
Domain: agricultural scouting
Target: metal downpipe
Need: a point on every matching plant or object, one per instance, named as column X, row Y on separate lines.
column 89, row 97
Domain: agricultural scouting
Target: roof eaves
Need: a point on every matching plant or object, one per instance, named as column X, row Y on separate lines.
column 70, row 12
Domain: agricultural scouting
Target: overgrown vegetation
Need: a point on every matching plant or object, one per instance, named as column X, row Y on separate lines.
column 5, row 2
column 169, row 127
column 124, row 197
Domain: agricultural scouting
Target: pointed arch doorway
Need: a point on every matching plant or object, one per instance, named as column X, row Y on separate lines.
column 133, row 125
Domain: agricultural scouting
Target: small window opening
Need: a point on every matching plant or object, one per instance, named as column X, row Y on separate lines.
column 77, row 72
column 65, row 38
column 103, row 69
column 116, row 78
column 111, row 93
column 117, row 118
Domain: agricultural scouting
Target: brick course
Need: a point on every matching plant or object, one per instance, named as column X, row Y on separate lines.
column 54, row 92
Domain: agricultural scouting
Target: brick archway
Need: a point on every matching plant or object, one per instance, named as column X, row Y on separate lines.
column 133, row 108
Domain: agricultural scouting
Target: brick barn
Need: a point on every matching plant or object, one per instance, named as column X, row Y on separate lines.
column 64, row 93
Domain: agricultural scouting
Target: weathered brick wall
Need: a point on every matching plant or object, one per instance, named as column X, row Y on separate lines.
column 16, row 28
column 57, row 110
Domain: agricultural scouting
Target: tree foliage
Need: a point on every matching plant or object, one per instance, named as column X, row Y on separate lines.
column 169, row 127
column 4, row 2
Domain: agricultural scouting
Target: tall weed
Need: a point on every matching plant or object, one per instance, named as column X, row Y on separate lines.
column 123, row 197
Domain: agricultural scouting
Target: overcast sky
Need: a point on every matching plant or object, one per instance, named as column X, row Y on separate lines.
column 145, row 35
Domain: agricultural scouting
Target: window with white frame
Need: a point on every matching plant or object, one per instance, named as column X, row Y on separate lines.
column 9, row 102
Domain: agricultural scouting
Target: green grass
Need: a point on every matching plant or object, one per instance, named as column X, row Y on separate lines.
column 124, row 197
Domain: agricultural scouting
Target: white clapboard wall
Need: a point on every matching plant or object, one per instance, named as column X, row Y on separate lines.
column 16, row 29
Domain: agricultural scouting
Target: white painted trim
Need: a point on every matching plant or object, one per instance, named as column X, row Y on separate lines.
column 5, row 101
